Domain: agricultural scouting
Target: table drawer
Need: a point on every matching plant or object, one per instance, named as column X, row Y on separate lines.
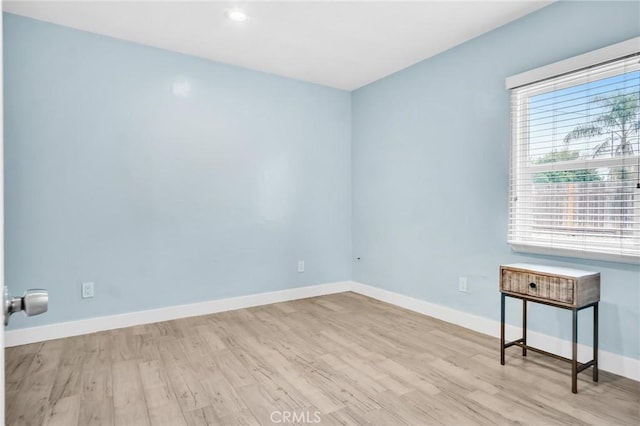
column 558, row 289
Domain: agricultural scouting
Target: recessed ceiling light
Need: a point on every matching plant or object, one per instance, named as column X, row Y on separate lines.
column 237, row 15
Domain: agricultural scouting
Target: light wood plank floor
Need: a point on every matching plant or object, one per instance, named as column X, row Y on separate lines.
column 338, row 359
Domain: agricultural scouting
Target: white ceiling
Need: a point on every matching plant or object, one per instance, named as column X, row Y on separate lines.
column 334, row 43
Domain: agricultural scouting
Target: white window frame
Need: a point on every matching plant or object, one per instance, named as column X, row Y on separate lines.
column 519, row 113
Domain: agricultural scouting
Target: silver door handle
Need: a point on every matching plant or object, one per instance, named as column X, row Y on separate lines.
column 32, row 302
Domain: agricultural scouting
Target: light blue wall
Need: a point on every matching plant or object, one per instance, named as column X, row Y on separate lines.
column 161, row 199
column 430, row 156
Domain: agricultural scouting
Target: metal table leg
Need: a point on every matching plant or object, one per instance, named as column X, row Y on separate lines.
column 524, row 327
column 595, row 342
column 502, row 298
column 574, row 353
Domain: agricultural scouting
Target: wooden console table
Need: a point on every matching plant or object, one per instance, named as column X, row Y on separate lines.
column 560, row 287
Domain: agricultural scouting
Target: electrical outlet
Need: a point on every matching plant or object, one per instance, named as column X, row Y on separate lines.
column 300, row 265
column 462, row 284
column 87, row 290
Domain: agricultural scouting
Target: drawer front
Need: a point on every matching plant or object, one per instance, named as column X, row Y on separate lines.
column 541, row 286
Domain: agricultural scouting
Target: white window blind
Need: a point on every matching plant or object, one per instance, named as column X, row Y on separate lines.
column 575, row 163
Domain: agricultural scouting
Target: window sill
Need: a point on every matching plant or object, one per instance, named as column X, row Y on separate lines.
column 555, row 251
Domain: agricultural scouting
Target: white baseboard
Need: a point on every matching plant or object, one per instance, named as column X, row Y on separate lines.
column 25, row 336
column 607, row 361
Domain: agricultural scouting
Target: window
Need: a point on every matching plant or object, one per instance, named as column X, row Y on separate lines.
column 575, row 157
